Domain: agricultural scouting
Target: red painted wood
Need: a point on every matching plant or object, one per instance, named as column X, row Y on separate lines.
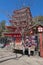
column 13, row 34
column 41, row 47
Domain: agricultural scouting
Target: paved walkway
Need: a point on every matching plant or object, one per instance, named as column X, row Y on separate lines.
column 9, row 58
column 22, row 60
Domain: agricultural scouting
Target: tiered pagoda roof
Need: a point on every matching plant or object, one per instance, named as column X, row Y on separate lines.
column 21, row 19
column 21, row 16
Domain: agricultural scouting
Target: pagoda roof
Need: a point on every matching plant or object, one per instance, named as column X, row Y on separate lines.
column 12, row 21
column 19, row 15
column 10, row 27
column 21, row 10
column 12, row 34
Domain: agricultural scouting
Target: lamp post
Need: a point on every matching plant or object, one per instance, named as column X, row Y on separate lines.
column 40, row 30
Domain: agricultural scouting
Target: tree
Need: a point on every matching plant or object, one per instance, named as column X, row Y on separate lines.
column 2, row 27
column 38, row 20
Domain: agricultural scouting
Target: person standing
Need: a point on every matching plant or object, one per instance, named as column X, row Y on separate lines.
column 26, row 45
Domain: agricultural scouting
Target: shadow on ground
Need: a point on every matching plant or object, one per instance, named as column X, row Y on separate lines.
column 16, row 58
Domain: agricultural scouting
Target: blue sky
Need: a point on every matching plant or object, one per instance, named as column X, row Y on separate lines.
column 8, row 6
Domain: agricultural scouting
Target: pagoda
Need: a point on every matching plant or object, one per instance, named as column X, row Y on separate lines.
column 21, row 21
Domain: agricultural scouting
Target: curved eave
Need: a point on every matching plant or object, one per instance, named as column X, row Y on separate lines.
column 12, row 34
column 10, row 27
column 21, row 10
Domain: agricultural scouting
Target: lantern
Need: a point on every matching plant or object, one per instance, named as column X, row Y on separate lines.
column 40, row 29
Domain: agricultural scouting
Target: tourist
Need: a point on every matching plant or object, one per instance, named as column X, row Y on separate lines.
column 26, row 45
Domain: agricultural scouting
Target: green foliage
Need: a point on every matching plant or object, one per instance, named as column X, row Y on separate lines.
column 2, row 26
column 38, row 20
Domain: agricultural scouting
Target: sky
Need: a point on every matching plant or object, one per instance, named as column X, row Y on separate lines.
column 8, row 6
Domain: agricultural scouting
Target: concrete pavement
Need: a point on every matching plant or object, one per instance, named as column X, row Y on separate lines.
column 22, row 60
column 9, row 58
